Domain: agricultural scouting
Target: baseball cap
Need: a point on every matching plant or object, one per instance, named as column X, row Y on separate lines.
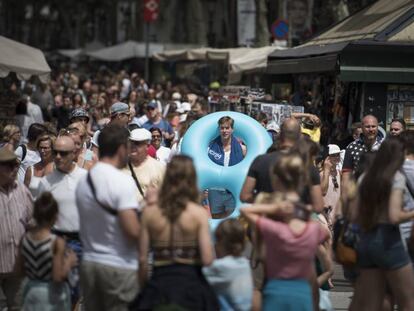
column 140, row 135
column 333, row 149
column 215, row 85
column 6, row 155
column 273, row 126
column 78, row 113
column 152, row 104
column 119, row 108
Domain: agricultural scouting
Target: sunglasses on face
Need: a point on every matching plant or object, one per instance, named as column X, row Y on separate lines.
column 63, row 153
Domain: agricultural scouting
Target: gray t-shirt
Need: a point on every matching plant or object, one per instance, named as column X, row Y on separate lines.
column 408, row 168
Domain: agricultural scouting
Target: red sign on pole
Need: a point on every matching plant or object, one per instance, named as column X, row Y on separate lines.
column 151, row 9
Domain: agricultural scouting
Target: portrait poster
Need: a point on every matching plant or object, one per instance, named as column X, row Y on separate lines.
column 299, row 15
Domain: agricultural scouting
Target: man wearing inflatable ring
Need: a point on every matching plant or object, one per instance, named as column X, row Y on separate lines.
column 225, row 150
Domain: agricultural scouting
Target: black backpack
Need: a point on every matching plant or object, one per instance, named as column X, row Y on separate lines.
column 24, row 151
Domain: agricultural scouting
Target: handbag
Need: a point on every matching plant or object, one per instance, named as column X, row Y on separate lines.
column 344, row 242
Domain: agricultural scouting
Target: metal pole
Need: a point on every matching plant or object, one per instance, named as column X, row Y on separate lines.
column 146, row 51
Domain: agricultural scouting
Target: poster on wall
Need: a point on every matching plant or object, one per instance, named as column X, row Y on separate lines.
column 246, row 18
column 298, row 13
column 400, row 103
column 277, row 113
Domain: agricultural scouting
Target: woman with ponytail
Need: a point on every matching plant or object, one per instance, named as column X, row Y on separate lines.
column 175, row 229
column 290, row 238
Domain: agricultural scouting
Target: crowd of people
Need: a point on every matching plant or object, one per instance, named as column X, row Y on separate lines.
column 101, row 211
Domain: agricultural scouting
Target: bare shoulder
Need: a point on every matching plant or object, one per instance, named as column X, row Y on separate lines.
column 197, row 210
column 150, row 211
column 59, row 245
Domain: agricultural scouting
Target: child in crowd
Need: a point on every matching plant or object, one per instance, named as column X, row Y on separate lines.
column 230, row 274
column 45, row 261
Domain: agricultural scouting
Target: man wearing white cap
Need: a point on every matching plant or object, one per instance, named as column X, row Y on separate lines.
column 145, row 170
column 331, row 181
column 155, row 120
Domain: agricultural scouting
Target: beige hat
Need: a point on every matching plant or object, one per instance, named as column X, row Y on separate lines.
column 6, row 155
column 140, row 135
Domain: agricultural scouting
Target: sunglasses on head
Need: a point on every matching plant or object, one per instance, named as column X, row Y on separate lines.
column 63, row 153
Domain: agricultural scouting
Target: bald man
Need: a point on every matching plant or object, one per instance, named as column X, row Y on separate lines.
column 367, row 142
column 258, row 177
column 62, row 184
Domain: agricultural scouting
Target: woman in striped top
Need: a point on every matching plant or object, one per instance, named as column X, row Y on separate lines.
column 45, row 261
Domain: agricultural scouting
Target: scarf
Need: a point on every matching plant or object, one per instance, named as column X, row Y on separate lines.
column 216, row 151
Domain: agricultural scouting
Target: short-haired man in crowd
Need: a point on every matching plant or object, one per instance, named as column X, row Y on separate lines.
column 258, row 177
column 368, row 141
column 397, row 126
column 155, row 120
column 15, row 214
column 62, row 183
column 224, row 150
column 109, row 227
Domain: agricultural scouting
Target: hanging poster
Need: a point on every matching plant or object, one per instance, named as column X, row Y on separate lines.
column 400, row 103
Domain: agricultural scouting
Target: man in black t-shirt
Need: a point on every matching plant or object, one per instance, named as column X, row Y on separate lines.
column 259, row 177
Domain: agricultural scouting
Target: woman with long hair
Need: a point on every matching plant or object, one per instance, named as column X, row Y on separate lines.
column 35, row 173
column 291, row 239
column 382, row 257
column 175, row 228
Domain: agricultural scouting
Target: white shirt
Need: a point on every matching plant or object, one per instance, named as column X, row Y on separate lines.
column 163, row 154
column 103, row 239
column 63, row 187
column 95, row 136
column 35, row 113
column 226, row 160
column 32, row 157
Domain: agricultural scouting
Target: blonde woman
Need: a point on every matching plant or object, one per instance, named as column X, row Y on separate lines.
column 11, row 137
column 35, row 173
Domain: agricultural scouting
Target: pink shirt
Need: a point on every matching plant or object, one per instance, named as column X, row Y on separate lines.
column 290, row 256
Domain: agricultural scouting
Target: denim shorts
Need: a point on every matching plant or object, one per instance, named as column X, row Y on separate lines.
column 383, row 248
column 220, row 201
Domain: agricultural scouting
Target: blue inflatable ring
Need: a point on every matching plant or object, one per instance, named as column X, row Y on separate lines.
column 203, row 131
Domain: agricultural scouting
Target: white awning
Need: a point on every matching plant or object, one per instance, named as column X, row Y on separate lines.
column 22, row 59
